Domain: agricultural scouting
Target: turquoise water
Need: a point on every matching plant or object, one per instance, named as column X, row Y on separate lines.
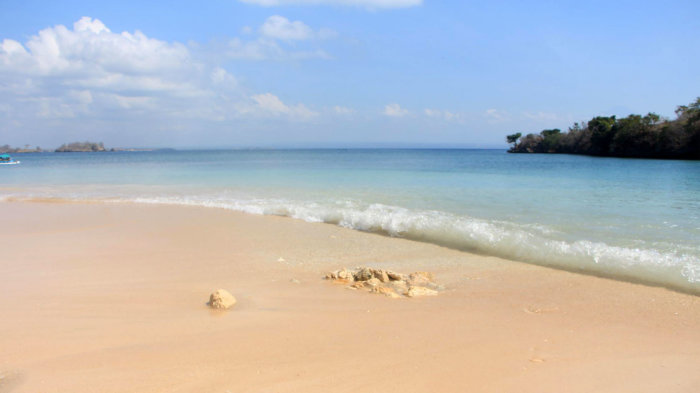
column 621, row 218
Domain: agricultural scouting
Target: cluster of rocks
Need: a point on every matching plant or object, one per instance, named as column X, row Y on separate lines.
column 387, row 282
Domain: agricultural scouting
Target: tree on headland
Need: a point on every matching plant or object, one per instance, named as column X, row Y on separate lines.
column 550, row 139
column 632, row 136
column 689, row 113
column 513, row 138
column 601, row 133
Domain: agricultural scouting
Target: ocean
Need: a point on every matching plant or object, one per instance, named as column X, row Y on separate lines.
column 629, row 219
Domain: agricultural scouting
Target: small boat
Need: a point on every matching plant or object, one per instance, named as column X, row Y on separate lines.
column 5, row 159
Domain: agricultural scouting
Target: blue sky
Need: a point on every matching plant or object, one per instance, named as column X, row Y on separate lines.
column 321, row 73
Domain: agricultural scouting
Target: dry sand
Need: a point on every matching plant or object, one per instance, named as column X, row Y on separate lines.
column 111, row 298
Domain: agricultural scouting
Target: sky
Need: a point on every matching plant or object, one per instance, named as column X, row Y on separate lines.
column 335, row 73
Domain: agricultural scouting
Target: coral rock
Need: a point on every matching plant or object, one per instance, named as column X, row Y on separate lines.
column 400, row 285
column 357, row 285
column 363, row 274
column 380, row 275
column 221, row 299
column 420, row 278
column 345, row 274
column 385, row 291
column 415, row 291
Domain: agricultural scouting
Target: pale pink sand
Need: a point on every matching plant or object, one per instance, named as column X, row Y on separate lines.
column 111, row 298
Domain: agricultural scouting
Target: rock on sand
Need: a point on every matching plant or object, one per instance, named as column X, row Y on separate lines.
column 416, row 291
column 221, row 299
column 385, row 291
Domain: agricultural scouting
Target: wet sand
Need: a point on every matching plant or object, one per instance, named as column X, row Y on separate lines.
column 111, row 298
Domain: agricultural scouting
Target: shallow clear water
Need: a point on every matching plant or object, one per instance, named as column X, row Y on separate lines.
column 624, row 218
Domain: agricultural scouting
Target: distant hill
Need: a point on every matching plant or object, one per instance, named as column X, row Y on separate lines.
column 81, row 147
column 637, row 136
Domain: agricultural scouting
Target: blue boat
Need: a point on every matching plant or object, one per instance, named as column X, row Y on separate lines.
column 5, row 159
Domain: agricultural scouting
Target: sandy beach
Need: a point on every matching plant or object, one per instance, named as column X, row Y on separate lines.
column 112, row 298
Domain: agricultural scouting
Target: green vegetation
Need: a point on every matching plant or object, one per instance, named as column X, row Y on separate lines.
column 647, row 136
column 81, row 147
column 513, row 138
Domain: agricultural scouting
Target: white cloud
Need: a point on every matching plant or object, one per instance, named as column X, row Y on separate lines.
column 541, row 116
column 496, row 115
column 281, row 28
column 342, row 110
column 92, row 48
column 268, row 104
column 371, row 4
column 395, row 110
column 279, row 39
column 221, row 77
column 443, row 115
column 91, row 55
column 268, row 49
column 91, row 72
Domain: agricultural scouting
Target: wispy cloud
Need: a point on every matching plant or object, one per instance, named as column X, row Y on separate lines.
column 395, row 110
column 342, row 110
column 276, row 40
column 541, row 116
column 264, row 48
column 496, row 115
column 279, row 27
column 268, row 104
column 443, row 115
column 371, row 4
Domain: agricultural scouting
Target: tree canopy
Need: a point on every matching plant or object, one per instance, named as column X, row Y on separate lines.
column 647, row 136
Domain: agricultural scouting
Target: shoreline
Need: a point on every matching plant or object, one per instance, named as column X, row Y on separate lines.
column 617, row 273
column 110, row 297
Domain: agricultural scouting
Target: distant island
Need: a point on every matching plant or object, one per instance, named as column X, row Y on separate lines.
column 636, row 136
column 81, row 147
column 25, row 149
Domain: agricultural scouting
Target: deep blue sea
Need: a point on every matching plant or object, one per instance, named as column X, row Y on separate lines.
column 623, row 218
